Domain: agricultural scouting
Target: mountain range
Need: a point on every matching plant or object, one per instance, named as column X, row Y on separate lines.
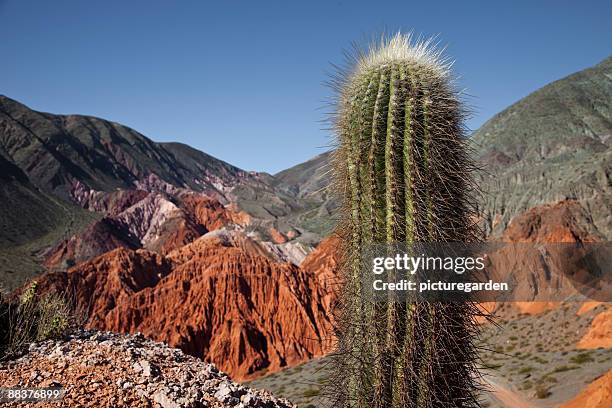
column 552, row 145
column 234, row 266
column 54, row 166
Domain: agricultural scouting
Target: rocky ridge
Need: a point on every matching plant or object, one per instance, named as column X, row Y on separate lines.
column 106, row 369
column 139, row 219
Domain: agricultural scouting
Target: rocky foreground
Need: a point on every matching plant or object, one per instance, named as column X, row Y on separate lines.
column 106, row 369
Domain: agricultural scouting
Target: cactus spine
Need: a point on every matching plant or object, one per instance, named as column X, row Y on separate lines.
column 404, row 174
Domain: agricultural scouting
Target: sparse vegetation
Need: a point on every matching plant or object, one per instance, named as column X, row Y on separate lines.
column 311, row 392
column 540, row 360
column 582, row 358
column 527, row 385
column 563, row 368
column 542, row 391
column 32, row 317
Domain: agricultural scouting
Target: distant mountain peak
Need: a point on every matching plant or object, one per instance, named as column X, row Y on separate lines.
column 55, row 151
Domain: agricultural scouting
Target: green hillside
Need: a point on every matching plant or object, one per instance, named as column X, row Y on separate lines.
column 551, row 145
column 309, row 182
column 30, row 221
column 43, row 157
column 54, row 151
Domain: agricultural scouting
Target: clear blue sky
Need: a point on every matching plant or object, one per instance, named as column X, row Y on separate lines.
column 243, row 80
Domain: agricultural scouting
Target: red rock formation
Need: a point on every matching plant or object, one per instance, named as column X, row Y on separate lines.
column 139, row 219
column 324, row 262
column 109, row 204
column 565, row 221
column 587, row 307
column 277, row 236
column 210, row 213
column 159, row 224
column 599, row 333
column 219, row 298
column 598, row 394
column 233, row 307
column 98, row 286
column 100, row 237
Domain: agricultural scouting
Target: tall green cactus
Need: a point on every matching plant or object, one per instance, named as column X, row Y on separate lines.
column 404, row 172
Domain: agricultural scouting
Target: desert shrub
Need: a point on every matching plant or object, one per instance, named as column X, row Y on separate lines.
column 547, row 379
column 581, row 358
column 31, row 317
column 311, row 392
column 53, row 317
column 563, row 368
column 541, row 391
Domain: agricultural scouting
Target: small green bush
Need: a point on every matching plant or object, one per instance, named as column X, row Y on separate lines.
column 582, row 358
column 542, row 391
column 311, row 392
column 32, row 317
column 563, row 368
